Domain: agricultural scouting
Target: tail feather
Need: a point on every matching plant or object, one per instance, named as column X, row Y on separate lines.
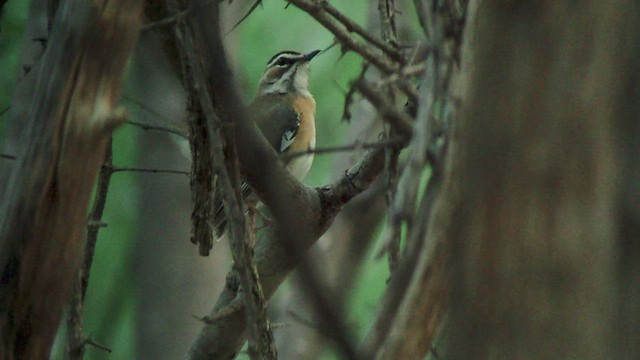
column 220, row 220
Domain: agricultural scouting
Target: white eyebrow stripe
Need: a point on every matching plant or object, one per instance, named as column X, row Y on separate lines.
column 289, row 56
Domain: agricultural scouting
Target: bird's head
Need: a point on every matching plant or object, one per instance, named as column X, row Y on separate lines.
column 287, row 72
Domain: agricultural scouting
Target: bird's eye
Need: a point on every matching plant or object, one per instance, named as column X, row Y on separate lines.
column 283, row 62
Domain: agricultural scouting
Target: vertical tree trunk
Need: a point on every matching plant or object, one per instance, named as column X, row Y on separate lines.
column 173, row 281
column 535, row 161
column 44, row 213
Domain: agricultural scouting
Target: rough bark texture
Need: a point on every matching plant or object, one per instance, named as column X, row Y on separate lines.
column 535, row 162
column 44, row 215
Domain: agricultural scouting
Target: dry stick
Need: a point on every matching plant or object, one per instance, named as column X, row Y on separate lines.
column 202, row 172
column 246, row 16
column 75, row 337
column 316, row 10
column 384, row 63
column 428, row 270
column 261, row 343
column 386, row 10
column 147, row 126
column 351, row 26
column 401, row 278
column 264, row 163
column 201, row 183
column 389, row 112
column 171, row 20
column 144, row 170
column 67, row 138
column 342, row 148
column 348, row 98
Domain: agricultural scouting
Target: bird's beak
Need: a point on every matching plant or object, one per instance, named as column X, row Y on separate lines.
column 310, row 56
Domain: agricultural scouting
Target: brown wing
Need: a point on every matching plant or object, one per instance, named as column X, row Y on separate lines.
column 279, row 124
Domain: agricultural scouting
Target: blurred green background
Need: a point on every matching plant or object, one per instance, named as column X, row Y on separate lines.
column 115, row 298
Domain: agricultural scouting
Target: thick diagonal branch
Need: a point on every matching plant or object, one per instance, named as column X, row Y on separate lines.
column 302, row 214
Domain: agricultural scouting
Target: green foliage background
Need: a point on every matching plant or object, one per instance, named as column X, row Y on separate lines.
column 112, row 299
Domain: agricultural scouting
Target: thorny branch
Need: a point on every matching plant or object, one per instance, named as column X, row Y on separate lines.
column 226, row 325
column 75, row 337
column 147, row 126
column 351, row 147
column 342, row 32
column 387, row 12
column 300, row 219
column 204, row 95
column 420, row 284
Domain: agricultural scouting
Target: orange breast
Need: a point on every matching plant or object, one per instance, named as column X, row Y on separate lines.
column 306, row 137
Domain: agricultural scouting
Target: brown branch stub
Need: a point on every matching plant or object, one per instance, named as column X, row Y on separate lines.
column 74, row 112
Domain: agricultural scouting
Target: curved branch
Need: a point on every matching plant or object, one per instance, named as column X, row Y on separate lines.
column 342, row 32
column 302, row 213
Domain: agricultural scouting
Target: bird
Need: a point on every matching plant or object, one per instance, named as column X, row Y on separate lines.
column 284, row 110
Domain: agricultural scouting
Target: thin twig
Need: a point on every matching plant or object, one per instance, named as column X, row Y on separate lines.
column 409, row 71
column 90, row 341
column 386, row 10
column 147, row 126
column 377, row 58
column 342, row 148
column 8, row 156
column 193, row 45
column 246, row 16
column 352, row 26
column 75, row 340
column 348, row 98
column 171, row 20
column 96, row 224
column 144, row 170
column 389, row 112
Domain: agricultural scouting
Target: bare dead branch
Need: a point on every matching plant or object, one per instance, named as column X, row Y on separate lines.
column 116, row 169
column 390, row 49
column 90, row 341
column 416, row 300
column 386, row 14
column 147, row 126
column 75, row 111
column 296, row 208
column 253, row 7
column 378, row 58
column 75, row 337
column 400, row 120
column 190, row 42
column 356, row 146
column 171, row 20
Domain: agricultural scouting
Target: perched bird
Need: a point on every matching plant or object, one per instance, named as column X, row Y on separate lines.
column 284, row 110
